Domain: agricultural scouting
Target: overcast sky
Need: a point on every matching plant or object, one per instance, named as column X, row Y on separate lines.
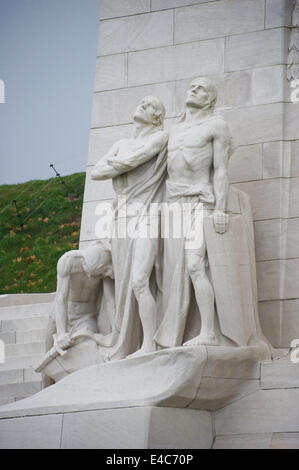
column 47, row 62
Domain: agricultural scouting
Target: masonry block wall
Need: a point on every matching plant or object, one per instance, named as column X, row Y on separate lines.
column 157, row 47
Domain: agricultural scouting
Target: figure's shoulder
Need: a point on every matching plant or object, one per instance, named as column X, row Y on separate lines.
column 218, row 121
column 65, row 263
column 161, row 136
column 219, row 125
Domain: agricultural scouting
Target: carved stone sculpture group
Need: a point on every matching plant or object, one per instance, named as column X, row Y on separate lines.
column 185, row 274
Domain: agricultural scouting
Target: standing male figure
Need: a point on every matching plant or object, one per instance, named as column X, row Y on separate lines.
column 138, row 168
column 198, row 152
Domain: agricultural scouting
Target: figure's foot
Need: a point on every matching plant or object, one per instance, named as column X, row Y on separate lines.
column 203, row 339
column 142, row 351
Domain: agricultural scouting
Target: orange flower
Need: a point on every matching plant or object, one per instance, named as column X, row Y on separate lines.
column 31, row 258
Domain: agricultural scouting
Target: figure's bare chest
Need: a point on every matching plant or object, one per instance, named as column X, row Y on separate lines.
column 82, row 286
column 186, row 136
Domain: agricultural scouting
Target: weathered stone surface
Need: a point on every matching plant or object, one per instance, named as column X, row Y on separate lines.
column 279, row 13
column 295, row 158
column 15, row 362
column 164, row 4
column 35, row 322
column 291, row 128
column 26, row 349
column 134, row 33
column 257, row 49
column 95, row 190
column 281, row 373
column 180, row 429
column 243, row 441
column 262, row 412
column 89, row 214
column 175, row 63
column 227, row 17
column 117, row 107
column 256, row 124
column 20, row 311
column 246, row 164
column 270, row 318
column 290, row 278
column 294, row 197
column 102, row 139
column 143, row 427
column 20, row 389
column 38, row 432
column 273, row 154
column 268, row 235
column 286, row 440
column 264, row 196
column 31, row 376
column 31, row 335
column 268, row 84
column 268, row 279
column 8, row 337
column 289, row 322
column 13, row 300
column 291, row 230
column 111, row 72
column 11, row 376
column 117, row 8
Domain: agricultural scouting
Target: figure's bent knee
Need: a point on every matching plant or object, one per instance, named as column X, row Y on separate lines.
column 196, row 267
column 139, row 283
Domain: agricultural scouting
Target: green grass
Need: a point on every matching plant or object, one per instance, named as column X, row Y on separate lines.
column 51, row 214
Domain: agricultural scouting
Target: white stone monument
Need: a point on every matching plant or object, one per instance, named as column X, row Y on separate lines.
column 174, row 340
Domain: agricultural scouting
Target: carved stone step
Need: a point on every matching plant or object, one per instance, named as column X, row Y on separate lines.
column 13, row 376
column 21, row 311
column 23, row 324
column 19, row 390
column 30, row 336
column 24, row 349
column 18, row 362
column 25, row 299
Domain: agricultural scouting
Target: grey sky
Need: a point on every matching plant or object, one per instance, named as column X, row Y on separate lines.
column 47, row 61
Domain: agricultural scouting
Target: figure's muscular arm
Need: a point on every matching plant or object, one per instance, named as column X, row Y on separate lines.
column 221, row 147
column 103, row 170
column 152, row 147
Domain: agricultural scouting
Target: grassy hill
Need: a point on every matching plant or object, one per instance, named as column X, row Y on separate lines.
column 36, row 230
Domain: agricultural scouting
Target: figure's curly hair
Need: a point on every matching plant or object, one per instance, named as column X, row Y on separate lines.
column 160, row 110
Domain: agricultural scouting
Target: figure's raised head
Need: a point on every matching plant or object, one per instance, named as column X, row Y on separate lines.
column 150, row 111
column 202, row 93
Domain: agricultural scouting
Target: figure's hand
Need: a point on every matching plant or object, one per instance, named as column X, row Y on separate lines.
column 64, row 341
column 221, row 220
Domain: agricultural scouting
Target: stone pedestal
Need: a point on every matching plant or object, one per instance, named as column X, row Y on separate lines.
column 263, row 414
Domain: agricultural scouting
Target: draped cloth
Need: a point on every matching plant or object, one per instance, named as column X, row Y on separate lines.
column 148, row 188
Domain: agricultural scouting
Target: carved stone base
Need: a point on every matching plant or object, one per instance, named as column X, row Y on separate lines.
column 85, row 411
column 125, row 428
column 202, row 377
